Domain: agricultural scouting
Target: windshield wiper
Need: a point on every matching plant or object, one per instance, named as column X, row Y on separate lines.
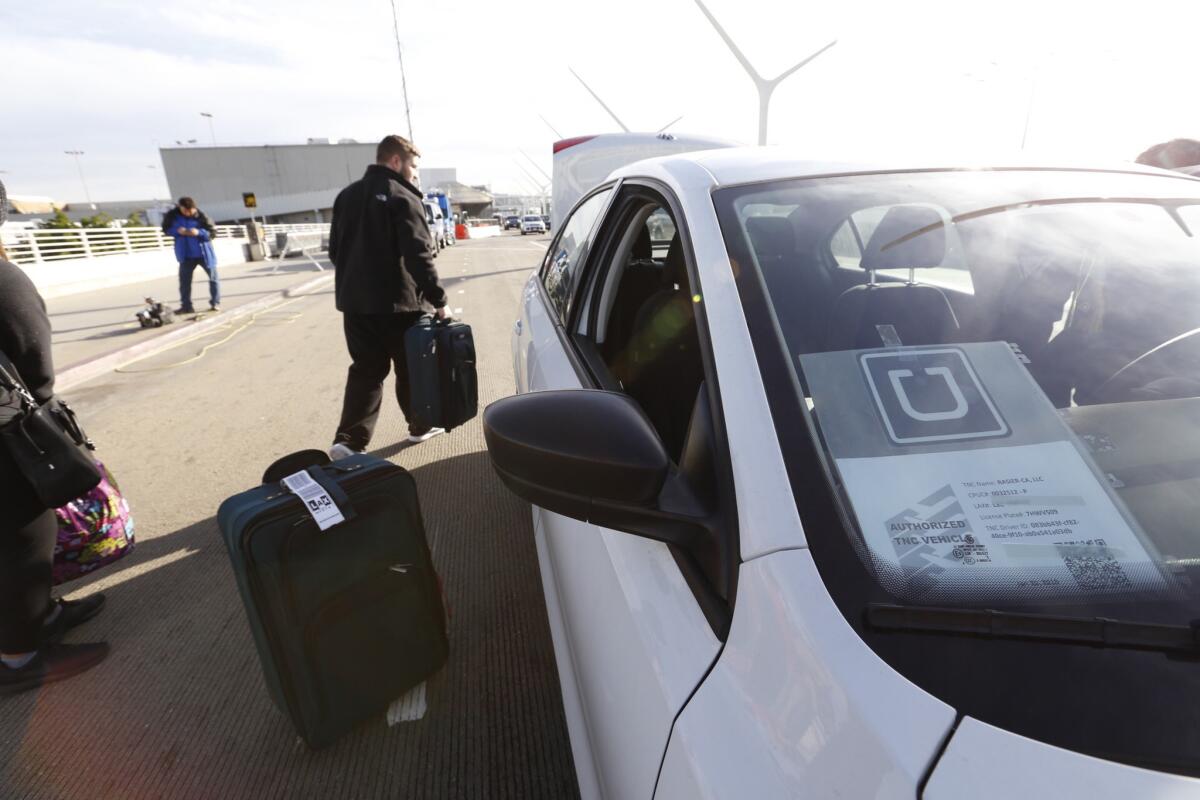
column 987, row 623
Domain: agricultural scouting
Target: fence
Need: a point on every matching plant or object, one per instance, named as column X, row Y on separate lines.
column 36, row 246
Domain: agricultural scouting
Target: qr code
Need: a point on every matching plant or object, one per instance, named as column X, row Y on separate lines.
column 1093, row 567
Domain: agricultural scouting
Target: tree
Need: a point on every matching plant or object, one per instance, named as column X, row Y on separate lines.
column 59, row 220
column 135, row 221
column 100, row 220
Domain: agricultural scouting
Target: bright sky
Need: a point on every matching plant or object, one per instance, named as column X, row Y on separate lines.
column 120, row 77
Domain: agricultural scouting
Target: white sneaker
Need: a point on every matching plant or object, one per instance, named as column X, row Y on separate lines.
column 427, row 435
column 340, row 451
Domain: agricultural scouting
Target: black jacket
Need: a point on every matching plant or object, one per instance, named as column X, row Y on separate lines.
column 25, row 331
column 380, row 246
column 25, row 339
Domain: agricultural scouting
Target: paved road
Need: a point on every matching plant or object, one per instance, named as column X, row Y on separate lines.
column 179, row 710
column 91, row 324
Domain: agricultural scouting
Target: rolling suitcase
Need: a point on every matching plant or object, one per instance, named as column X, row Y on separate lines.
column 441, row 372
column 339, row 588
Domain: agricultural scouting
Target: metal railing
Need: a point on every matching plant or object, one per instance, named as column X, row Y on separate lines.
column 36, row 246
column 300, row 227
column 303, row 242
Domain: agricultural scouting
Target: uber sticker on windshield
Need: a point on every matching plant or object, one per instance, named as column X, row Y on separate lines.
column 964, row 479
column 1029, row 517
column 930, row 396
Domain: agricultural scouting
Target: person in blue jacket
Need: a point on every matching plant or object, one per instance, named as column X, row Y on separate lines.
column 193, row 232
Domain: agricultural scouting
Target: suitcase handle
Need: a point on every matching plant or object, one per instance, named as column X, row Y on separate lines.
column 293, row 463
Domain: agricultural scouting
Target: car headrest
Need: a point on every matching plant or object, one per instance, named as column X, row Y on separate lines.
column 771, row 236
column 674, row 269
column 641, row 245
column 892, row 245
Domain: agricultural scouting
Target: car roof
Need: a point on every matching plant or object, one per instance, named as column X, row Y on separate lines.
column 739, row 165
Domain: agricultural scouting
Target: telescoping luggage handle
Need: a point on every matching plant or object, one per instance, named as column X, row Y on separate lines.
column 323, row 498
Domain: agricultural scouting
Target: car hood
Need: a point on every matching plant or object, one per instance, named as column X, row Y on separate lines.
column 987, row 763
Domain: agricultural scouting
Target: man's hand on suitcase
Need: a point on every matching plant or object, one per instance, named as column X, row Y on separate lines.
column 442, row 313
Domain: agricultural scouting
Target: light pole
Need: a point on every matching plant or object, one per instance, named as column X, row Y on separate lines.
column 155, row 168
column 403, row 79
column 211, row 133
column 88, row 195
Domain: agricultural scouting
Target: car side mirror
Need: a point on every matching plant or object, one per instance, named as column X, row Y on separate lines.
column 592, row 456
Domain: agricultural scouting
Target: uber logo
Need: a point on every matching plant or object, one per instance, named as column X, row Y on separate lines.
column 930, row 396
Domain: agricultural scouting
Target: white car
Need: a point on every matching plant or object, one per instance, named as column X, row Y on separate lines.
column 437, row 227
column 835, row 469
column 532, row 223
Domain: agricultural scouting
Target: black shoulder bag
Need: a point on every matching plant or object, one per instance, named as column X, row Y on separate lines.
column 45, row 441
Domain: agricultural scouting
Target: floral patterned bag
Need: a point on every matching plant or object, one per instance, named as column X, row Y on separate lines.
column 93, row 531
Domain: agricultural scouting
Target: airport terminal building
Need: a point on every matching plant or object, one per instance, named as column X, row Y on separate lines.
column 290, row 183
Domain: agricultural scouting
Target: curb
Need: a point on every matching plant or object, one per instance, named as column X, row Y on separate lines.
column 77, row 374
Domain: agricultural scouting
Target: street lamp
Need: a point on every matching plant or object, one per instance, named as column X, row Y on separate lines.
column 403, row 79
column 76, row 154
column 211, row 133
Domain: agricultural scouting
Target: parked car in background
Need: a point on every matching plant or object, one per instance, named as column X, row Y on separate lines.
column 887, row 486
column 532, row 223
column 447, row 216
column 433, row 216
column 512, row 222
column 546, row 221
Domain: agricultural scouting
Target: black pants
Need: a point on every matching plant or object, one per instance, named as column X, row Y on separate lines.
column 26, row 554
column 376, row 345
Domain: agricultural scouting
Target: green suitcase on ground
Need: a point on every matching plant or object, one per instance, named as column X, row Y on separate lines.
column 346, row 619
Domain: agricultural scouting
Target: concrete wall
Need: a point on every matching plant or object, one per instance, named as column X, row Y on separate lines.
column 60, row 278
column 286, row 179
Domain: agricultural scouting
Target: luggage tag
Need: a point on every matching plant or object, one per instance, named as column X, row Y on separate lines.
column 320, row 498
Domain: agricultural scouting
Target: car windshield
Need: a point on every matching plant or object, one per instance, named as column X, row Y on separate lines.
column 1002, row 371
column 533, row 219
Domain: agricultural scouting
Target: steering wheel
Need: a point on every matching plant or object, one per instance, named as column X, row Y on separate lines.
column 1177, row 358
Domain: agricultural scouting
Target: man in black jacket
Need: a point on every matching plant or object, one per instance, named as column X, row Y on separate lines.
column 385, row 281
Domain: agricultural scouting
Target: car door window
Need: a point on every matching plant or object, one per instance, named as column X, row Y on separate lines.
column 640, row 333
column 645, row 331
column 560, row 270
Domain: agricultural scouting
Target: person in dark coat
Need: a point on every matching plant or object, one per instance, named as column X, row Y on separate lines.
column 31, row 622
column 384, row 282
column 193, row 232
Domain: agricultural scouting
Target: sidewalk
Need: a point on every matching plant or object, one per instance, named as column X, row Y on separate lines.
column 92, row 324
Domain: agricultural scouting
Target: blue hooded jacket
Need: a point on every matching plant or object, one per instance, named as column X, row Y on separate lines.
column 198, row 246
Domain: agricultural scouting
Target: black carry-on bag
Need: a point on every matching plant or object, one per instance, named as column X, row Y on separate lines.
column 343, row 602
column 441, row 372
